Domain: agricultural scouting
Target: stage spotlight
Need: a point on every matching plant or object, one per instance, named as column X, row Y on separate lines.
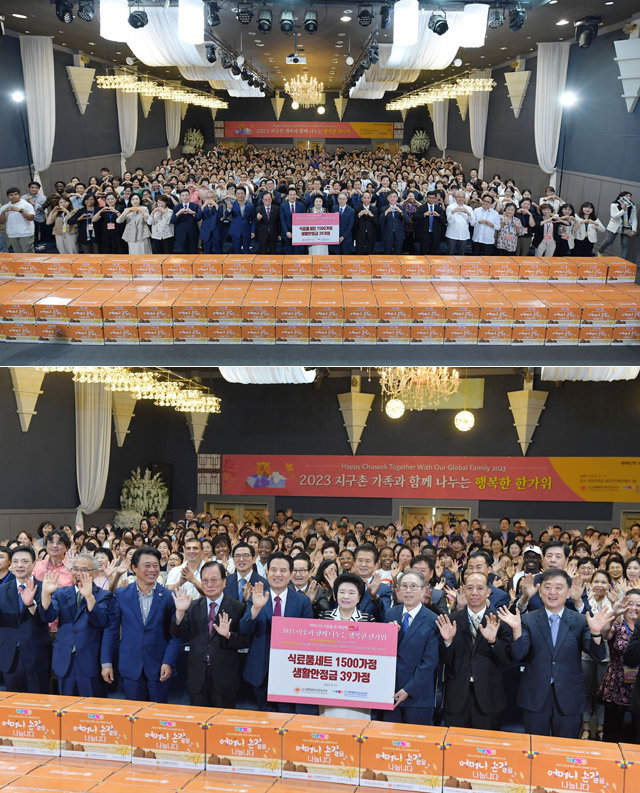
column 496, row 18
column 245, row 74
column 225, row 60
column 385, row 17
column 517, row 17
column 311, row 21
column 245, row 13
column 587, row 30
column 438, row 22
column 235, row 69
column 374, row 54
column 86, row 10
column 64, row 11
column 365, row 16
column 265, row 20
column 286, row 21
column 138, row 18
column 211, row 52
column 213, row 18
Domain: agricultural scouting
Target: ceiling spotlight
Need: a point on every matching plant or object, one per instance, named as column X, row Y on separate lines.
column 517, row 17
column 374, row 54
column 245, row 74
column 349, row 60
column 496, row 18
column 251, row 81
column 311, row 21
column 265, row 20
column 457, row 62
column 235, row 69
column 245, row 13
column 294, row 105
column 321, row 110
column 286, row 21
column 86, row 10
column 138, row 18
column 438, row 22
column 345, row 18
column 365, row 16
column 464, row 420
column 64, row 11
column 568, row 99
column 240, row 59
column 225, row 60
column 394, row 408
column 587, row 30
column 210, row 52
column 213, row 18
column 385, row 17
column 17, row 96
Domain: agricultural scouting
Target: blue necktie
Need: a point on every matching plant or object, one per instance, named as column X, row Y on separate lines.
column 21, row 588
column 430, row 218
column 241, row 583
column 340, row 211
column 405, row 622
column 554, row 624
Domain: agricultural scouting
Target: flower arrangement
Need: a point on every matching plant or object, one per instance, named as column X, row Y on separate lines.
column 420, row 141
column 193, row 141
column 141, row 495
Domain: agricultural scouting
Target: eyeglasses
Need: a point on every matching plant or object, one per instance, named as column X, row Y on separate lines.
column 82, row 569
column 410, row 587
column 242, row 556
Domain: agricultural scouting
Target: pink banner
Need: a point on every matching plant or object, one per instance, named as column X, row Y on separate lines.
column 308, row 129
column 322, row 228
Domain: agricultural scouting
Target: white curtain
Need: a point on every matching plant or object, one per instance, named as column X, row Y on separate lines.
column 478, row 114
column 172, row 120
column 93, row 445
column 376, row 81
column 430, row 51
column 597, row 373
column 36, row 53
column 267, row 374
column 551, row 79
column 441, row 123
column 127, row 105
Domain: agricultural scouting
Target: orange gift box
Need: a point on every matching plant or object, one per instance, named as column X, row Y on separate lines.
column 191, row 304
column 626, row 334
column 246, row 741
column 503, row 269
column 18, row 305
column 87, row 308
column 225, row 332
column 595, row 309
column 394, row 334
column 326, row 304
column 416, row 268
column 562, row 310
column 58, row 266
column 178, row 267
column 146, row 268
column 120, row 333
column 528, row 334
column 132, row 779
column 31, row 723
column 528, row 309
column 532, row 269
column 117, row 268
column 360, row 334
column 595, row 334
column 293, row 334
column 386, row 267
column 259, row 303
column 444, row 268
column 562, row 334
column 494, row 334
column 297, row 267
column 591, row 269
column 27, row 265
column 627, row 305
column 19, row 765
column 215, row 782
column 87, row 266
column 631, row 757
column 460, row 307
column 62, row 773
column 619, row 271
column 360, row 305
column 486, row 761
column 426, row 304
column 326, row 334
column 323, row 749
column 225, row 303
column 190, row 333
column 157, row 307
column 401, row 756
column 267, row 267
column 122, row 307
column 561, row 764
column 563, row 270
column 356, row 268
column 474, row 268
column 19, row 331
column 155, row 334
column 55, row 306
column 305, row 786
column 292, row 305
column 427, row 334
column 88, row 334
column 393, row 304
column 328, row 268
column 52, row 331
column 238, row 266
column 7, row 265
column 495, row 308
column 170, row 735
column 208, row 266
column 461, row 334
column 259, row 332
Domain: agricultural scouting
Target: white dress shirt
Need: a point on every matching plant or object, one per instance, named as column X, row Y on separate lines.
column 481, row 232
column 173, row 577
column 458, row 222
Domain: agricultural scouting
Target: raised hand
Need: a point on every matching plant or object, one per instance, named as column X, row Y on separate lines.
column 28, row 593
column 447, row 628
column 110, row 569
column 224, row 628
column 511, row 619
column 577, row 588
column 527, row 586
column 260, row 597
column 374, row 586
column 50, row 582
column 490, row 630
column 598, row 620
column 572, row 569
column 181, row 599
column 85, row 587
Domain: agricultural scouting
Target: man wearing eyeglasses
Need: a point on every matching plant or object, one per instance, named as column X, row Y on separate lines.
column 56, row 545
column 418, row 649
column 238, row 585
column 486, row 222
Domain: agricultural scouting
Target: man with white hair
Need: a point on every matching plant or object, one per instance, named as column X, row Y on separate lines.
column 459, row 219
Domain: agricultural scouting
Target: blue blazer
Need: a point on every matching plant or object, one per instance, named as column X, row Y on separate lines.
column 561, row 663
column 418, row 652
column 497, row 598
column 231, row 583
column 536, row 601
column 285, row 215
column 377, row 610
column 77, row 628
column 143, row 647
column 346, row 222
column 209, row 217
column 257, row 666
column 392, row 225
column 185, row 226
column 242, row 226
column 18, row 625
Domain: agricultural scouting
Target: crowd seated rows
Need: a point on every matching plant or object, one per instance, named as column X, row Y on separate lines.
column 230, row 200
column 487, row 615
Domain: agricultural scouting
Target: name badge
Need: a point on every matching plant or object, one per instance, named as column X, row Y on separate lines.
column 111, row 226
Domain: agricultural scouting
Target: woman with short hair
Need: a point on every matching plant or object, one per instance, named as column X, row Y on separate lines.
column 136, row 233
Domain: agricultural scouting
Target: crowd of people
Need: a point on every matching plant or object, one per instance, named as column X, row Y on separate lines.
column 231, row 200
column 479, row 611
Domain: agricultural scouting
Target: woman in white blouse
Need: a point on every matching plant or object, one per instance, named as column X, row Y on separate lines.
column 317, row 209
column 586, row 234
column 624, row 221
column 161, row 226
column 136, row 233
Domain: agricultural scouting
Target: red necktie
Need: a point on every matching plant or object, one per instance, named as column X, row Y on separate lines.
column 212, row 617
column 267, row 213
column 277, row 609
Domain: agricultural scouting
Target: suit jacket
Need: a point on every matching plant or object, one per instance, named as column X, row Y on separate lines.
column 379, row 609
column 418, row 651
column 257, row 666
column 346, row 223
column 536, row 601
column 18, row 625
column 632, row 658
column 421, row 222
column 77, row 628
column 498, row 597
column 467, row 657
column 561, row 663
column 185, row 226
column 144, row 647
column 231, row 584
column 221, row 652
column 365, row 227
column 285, row 216
column 242, row 226
column 267, row 229
column 393, row 224
column 209, row 217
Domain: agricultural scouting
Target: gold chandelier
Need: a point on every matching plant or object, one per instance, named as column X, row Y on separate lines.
column 130, row 84
column 304, row 90
column 162, row 387
column 417, row 387
column 463, row 86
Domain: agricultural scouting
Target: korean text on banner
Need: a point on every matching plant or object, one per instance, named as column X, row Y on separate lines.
column 315, row 229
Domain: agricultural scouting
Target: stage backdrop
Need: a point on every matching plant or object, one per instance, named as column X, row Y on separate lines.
column 613, row 479
column 308, row 129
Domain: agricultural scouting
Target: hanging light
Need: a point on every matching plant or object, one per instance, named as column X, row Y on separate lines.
column 464, row 420
column 191, row 21
column 438, row 22
column 394, row 408
column 64, row 11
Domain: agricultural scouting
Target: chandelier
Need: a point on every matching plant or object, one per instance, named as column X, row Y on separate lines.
column 129, row 84
column 162, row 387
column 463, row 86
column 417, row 387
column 304, row 90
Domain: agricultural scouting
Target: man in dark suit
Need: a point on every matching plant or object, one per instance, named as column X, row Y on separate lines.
column 476, row 648
column 185, row 225
column 392, row 220
column 554, row 557
column 141, row 615
column 210, row 625
column 236, row 583
column 366, row 225
column 316, row 190
column 347, row 217
column 267, row 224
column 506, row 535
column 82, row 611
column 479, row 563
column 418, row 648
column 377, row 596
column 263, row 606
column 267, row 186
column 242, row 227
column 549, row 642
column 430, row 223
column 24, row 635
column 287, row 208
column 434, row 599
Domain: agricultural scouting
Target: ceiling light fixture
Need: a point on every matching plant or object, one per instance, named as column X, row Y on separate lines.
column 311, row 21
column 245, row 13
column 321, row 110
column 86, row 10
column 286, row 21
column 64, row 11
column 365, row 16
column 212, row 16
column 438, row 22
column 496, row 18
column 345, row 18
column 587, row 30
column 210, row 52
column 385, row 17
column 265, row 20
column 517, row 17
column 138, row 18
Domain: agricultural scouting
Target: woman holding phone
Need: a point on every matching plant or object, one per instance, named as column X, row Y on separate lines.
column 624, row 221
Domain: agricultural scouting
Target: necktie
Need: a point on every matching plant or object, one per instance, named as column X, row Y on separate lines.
column 277, row 609
column 340, row 211
column 475, row 622
column 241, row 583
column 21, row 588
column 406, row 619
column 554, row 624
column 212, row 617
column 241, row 210
column 268, row 208
column 78, row 599
column 430, row 218
column 293, row 208
column 185, row 206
